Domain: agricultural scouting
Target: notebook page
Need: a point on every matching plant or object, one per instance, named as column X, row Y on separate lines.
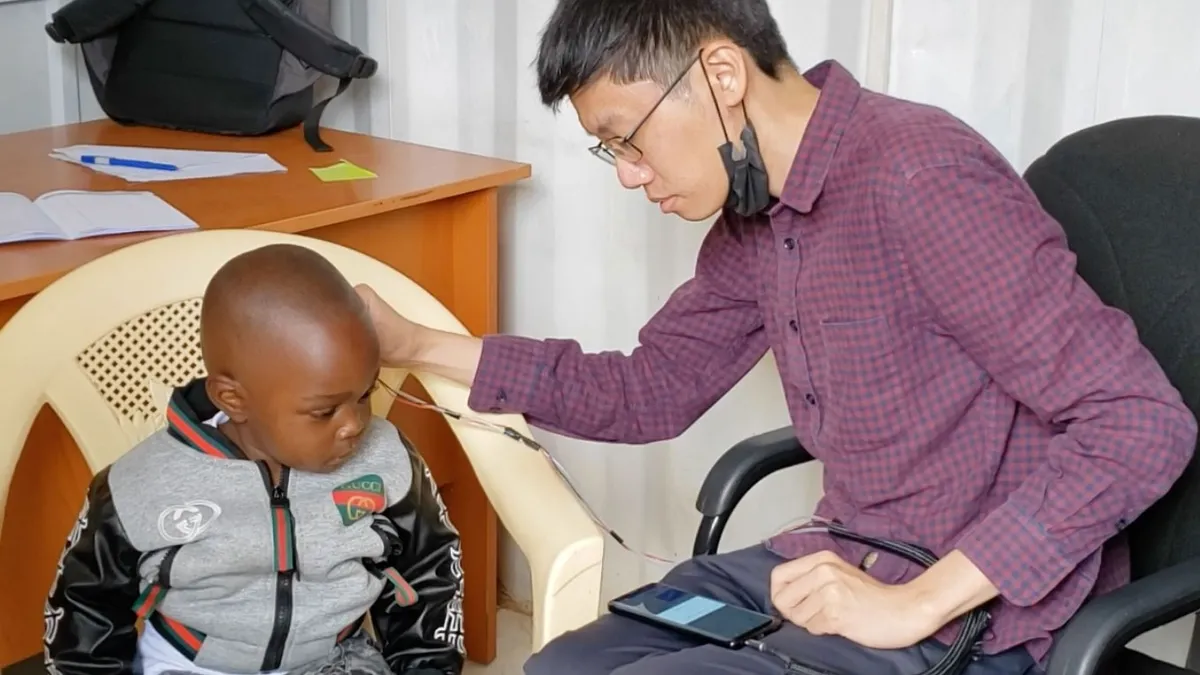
column 20, row 220
column 90, row 214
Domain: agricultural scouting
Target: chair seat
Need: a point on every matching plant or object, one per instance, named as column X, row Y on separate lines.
column 1131, row 662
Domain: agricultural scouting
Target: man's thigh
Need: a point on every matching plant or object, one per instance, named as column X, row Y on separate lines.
column 618, row 645
column 612, row 642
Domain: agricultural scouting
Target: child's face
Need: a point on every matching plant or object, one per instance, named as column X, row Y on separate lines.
column 308, row 402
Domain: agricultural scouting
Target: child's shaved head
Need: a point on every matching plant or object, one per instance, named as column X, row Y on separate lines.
column 291, row 356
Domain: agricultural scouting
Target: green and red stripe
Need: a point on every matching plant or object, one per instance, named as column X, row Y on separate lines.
column 195, row 434
column 187, row 640
column 149, row 600
column 406, row 595
column 284, row 534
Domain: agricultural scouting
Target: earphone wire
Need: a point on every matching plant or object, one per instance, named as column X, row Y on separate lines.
column 523, row 439
column 953, row 662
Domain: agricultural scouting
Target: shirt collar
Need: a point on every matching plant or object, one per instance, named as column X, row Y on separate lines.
column 187, row 413
column 839, row 95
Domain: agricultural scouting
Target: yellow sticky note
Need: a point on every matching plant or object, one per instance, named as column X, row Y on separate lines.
column 341, row 171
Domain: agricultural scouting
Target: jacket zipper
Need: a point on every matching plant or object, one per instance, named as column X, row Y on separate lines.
column 164, row 568
column 283, row 578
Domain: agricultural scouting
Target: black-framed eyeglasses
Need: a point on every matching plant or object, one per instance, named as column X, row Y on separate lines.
column 623, row 148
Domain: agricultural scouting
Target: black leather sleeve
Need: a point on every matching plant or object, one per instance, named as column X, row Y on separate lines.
column 90, row 624
column 426, row 637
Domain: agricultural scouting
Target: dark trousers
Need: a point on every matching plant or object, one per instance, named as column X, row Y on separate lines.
column 621, row 646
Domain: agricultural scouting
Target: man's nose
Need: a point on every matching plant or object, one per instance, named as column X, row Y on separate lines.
column 633, row 175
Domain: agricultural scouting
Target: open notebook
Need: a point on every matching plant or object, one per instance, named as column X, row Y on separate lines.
column 75, row 214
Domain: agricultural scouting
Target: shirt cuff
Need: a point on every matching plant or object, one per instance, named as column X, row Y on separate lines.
column 506, row 380
column 1014, row 554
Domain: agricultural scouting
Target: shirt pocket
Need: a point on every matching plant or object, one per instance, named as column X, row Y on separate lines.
column 864, row 393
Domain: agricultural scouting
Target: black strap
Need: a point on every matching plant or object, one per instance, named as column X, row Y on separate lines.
column 312, row 123
column 84, row 20
column 316, row 47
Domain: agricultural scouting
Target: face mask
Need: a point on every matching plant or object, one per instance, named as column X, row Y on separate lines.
column 748, row 189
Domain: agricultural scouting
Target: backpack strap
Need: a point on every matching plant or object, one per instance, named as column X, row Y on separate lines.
column 85, row 20
column 317, row 47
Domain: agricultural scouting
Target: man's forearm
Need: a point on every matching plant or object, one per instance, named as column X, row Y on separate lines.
column 950, row 588
column 449, row 355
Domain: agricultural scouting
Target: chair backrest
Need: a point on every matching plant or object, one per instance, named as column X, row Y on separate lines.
column 104, row 345
column 1127, row 194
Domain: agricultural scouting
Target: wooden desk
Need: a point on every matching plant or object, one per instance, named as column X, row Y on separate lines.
column 431, row 214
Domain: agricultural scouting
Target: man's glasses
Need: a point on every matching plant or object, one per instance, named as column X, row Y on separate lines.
column 623, row 148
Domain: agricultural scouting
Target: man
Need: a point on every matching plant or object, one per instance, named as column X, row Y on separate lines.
column 964, row 388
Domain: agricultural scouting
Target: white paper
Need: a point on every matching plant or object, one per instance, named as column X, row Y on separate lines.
column 89, row 214
column 20, row 220
column 74, row 214
column 191, row 163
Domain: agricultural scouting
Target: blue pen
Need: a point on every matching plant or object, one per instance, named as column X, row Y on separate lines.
column 130, row 163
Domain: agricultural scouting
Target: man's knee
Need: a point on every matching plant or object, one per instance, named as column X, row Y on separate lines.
column 561, row 655
column 686, row 572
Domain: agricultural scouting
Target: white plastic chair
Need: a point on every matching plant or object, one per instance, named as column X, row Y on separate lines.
column 104, row 344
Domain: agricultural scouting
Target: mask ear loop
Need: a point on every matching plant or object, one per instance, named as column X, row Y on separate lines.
column 738, row 153
column 716, row 103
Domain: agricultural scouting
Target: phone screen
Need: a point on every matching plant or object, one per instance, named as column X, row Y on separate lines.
column 692, row 613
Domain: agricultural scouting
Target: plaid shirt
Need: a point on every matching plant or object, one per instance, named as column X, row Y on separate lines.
column 964, row 388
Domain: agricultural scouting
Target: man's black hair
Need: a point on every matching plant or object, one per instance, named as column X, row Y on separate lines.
column 637, row 40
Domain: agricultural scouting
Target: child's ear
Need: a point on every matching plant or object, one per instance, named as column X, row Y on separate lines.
column 228, row 395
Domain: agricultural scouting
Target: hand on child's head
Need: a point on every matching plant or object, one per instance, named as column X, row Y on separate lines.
column 398, row 337
column 292, row 356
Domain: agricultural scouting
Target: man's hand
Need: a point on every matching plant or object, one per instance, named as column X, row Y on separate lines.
column 414, row 347
column 828, row 596
column 398, row 337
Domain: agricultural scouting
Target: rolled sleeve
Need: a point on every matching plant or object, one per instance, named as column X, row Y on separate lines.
column 706, row 337
column 998, row 277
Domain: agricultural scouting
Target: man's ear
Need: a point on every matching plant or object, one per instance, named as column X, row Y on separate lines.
column 725, row 65
column 228, row 395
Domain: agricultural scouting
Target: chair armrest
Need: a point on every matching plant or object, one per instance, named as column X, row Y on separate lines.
column 1107, row 623
column 744, row 465
column 564, row 548
column 738, row 470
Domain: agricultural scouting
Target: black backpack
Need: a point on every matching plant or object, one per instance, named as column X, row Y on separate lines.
column 236, row 67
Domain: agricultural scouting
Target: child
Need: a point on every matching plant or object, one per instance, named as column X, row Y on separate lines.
column 273, row 514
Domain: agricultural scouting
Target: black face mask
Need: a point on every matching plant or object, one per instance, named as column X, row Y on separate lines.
column 748, row 187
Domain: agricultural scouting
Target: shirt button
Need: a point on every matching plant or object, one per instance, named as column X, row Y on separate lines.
column 789, row 243
column 869, row 560
column 794, row 325
column 810, row 399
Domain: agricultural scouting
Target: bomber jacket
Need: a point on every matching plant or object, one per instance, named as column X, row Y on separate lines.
column 241, row 574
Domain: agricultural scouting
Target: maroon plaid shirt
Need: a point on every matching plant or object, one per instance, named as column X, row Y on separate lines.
column 963, row 387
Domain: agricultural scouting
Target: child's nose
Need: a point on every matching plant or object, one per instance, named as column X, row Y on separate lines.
column 350, row 431
column 353, row 427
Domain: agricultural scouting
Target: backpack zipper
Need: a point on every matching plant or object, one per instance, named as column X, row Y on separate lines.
column 285, row 564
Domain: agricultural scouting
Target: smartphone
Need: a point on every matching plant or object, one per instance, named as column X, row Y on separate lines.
column 694, row 615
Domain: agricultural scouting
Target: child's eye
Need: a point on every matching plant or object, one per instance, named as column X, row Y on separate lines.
column 324, row 414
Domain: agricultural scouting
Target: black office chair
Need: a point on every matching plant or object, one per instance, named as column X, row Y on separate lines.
column 1128, row 195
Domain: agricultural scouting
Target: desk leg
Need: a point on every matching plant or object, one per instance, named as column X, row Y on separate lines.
column 449, row 248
